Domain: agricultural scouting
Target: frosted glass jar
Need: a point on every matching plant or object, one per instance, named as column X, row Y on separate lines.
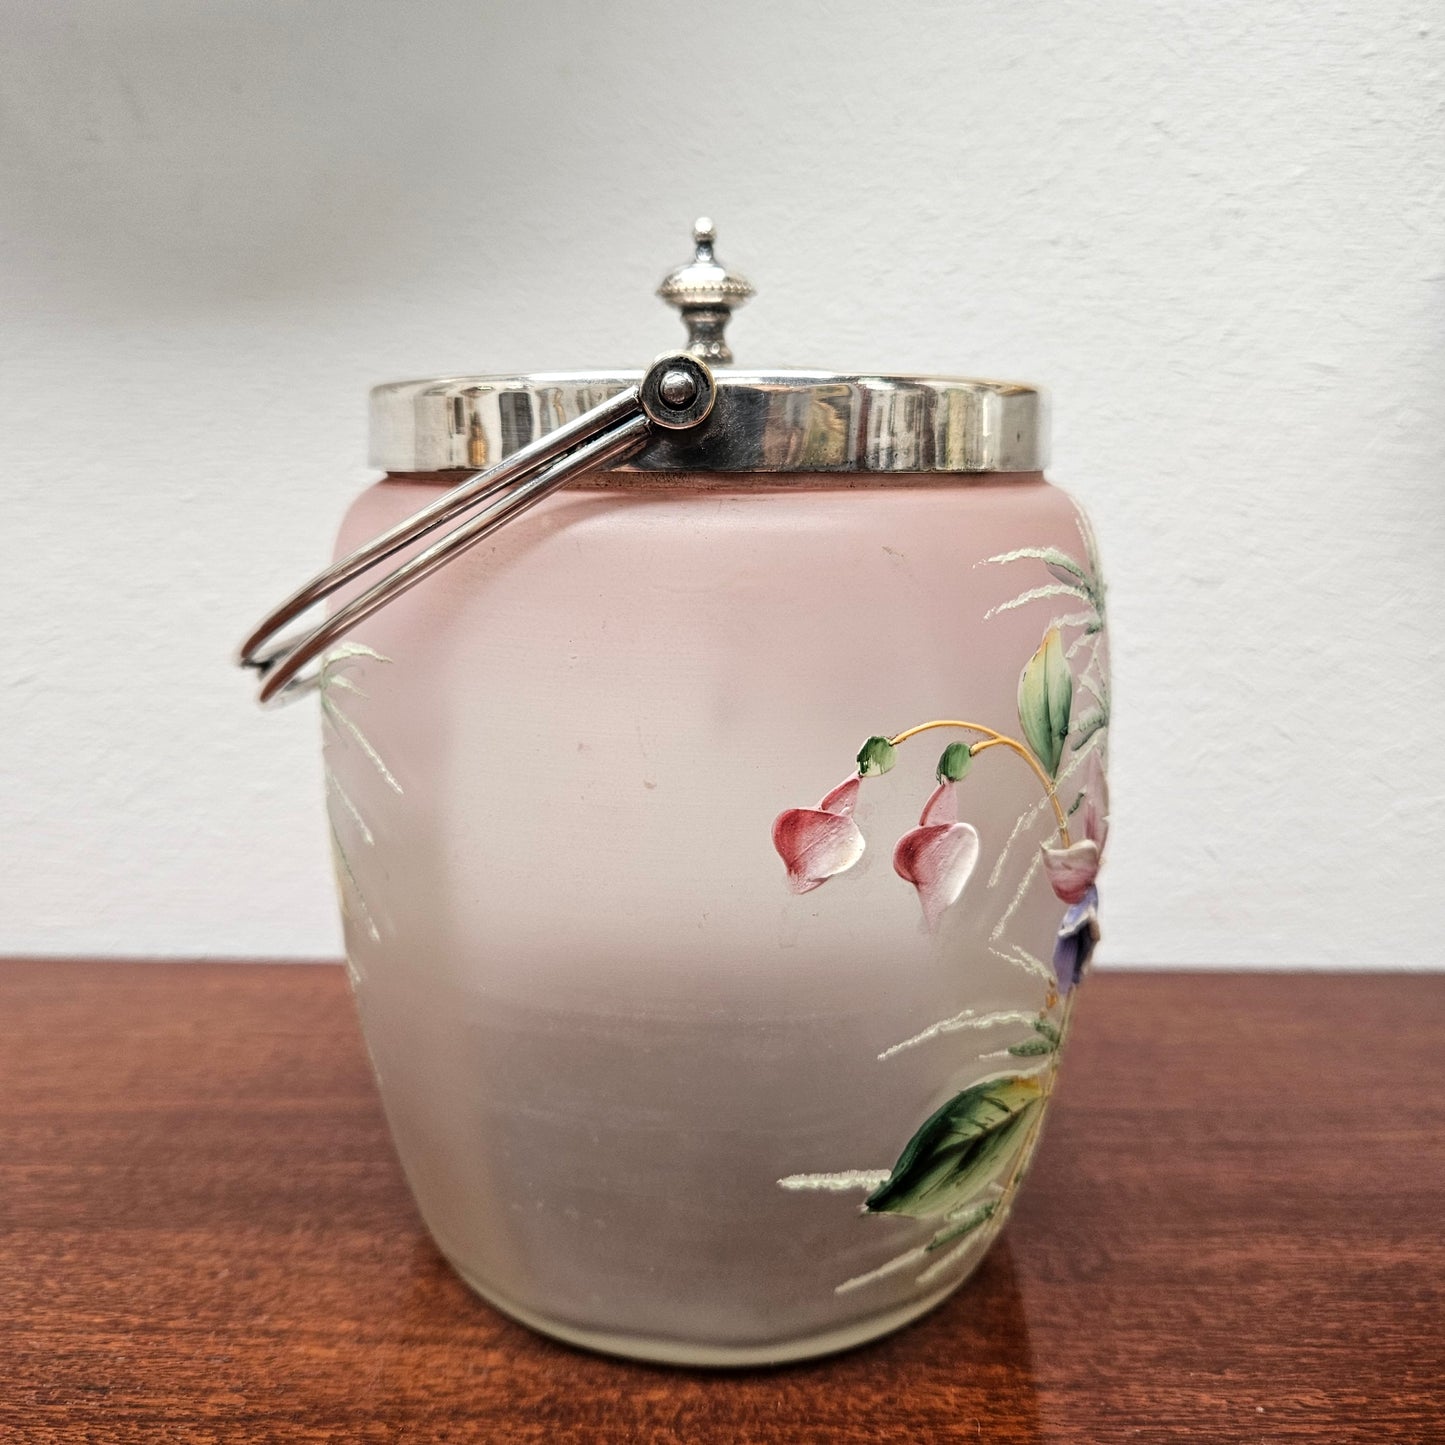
column 717, row 851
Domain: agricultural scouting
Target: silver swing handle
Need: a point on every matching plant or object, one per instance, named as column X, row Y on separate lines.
column 676, row 394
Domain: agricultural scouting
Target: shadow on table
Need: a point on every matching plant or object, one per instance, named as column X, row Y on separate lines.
column 963, row 1371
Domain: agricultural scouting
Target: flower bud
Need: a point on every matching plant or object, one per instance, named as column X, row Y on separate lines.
column 953, row 766
column 875, row 757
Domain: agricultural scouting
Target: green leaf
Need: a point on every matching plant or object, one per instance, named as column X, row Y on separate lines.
column 1046, row 695
column 965, row 1224
column 875, row 757
column 1062, row 566
column 1031, row 1049
column 953, row 766
column 1046, row 1042
column 1088, row 724
column 959, row 1149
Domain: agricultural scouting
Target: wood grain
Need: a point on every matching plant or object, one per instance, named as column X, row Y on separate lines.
column 1233, row 1232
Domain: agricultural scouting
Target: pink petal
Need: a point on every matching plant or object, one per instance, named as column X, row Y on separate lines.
column 942, row 806
column 844, row 798
column 1096, row 803
column 815, row 845
column 937, row 859
column 1072, row 870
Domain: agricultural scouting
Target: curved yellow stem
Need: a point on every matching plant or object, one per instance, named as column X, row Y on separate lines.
column 943, row 722
column 997, row 740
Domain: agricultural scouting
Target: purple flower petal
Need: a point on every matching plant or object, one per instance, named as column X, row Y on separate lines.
column 1078, row 934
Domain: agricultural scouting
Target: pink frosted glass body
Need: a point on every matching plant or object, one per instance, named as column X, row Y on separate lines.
column 639, row 1087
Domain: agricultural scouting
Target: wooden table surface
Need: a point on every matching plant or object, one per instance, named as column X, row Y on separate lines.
column 1233, row 1232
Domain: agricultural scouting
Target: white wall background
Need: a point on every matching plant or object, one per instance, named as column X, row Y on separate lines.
column 1214, row 230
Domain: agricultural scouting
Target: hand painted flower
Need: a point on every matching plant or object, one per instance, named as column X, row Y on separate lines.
column 818, row 843
column 938, row 856
column 1071, row 871
column 1078, row 934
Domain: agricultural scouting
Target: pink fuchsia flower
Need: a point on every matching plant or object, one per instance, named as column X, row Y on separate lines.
column 1071, row 871
column 817, row 844
column 939, row 855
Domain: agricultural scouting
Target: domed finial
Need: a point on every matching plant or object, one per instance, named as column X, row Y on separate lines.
column 705, row 294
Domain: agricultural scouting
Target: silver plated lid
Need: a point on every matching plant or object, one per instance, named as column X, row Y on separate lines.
column 763, row 421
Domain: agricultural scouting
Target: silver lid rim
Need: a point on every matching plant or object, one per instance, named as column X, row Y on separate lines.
column 775, row 421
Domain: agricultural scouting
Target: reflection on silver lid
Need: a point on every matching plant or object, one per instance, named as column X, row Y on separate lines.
column 786, row 421
column 763, row 421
